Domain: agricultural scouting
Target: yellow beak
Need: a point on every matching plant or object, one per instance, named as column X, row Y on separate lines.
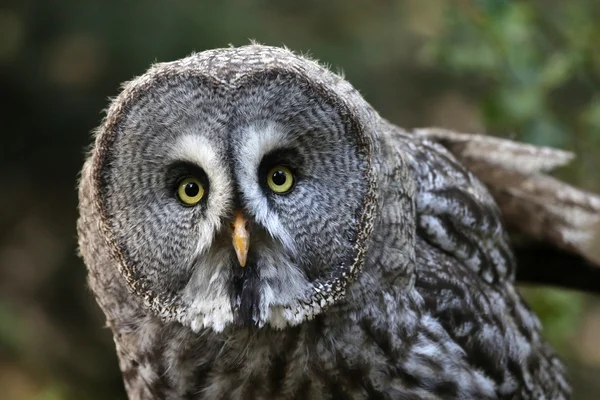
column 241, row 238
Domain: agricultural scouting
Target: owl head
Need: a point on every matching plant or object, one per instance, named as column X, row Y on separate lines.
column 237, row 186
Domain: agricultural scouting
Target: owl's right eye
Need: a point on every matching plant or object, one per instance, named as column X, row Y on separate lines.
column 190, row 191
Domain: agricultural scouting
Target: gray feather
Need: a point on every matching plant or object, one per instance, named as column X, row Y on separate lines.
column 385, row 272
column 533, row 204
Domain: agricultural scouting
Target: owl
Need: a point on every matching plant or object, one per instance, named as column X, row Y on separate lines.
column 253, row 229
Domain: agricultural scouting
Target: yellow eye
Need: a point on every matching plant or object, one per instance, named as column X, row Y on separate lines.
column 280, row 179
column 190, row 191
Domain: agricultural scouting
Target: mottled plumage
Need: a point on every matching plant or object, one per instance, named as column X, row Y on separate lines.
column 385, row 273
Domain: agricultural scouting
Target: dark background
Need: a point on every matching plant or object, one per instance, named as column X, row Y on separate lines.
column 528, row 70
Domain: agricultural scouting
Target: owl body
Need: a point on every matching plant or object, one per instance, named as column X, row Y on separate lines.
column 381, row 271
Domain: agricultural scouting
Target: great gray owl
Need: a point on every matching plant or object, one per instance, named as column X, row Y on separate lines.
column 254, row 229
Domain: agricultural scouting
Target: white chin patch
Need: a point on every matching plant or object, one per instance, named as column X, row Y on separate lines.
column 280, row 317
column 281, row 285
column 212, row 314
column 206, row 295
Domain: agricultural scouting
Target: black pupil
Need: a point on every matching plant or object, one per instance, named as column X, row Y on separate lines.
column 279, row 177
column 191, row 189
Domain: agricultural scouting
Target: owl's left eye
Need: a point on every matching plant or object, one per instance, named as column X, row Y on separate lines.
column 190, row 191
column 280, row 179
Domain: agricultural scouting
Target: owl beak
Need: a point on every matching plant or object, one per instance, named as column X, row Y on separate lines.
column 241, row 237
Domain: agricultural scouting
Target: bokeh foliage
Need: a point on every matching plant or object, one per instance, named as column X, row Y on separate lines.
column 528, row 70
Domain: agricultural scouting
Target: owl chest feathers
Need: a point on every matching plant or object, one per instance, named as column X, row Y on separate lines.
column 422, row 343
column 348, row 353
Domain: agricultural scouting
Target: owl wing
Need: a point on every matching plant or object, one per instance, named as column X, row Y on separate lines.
column 556, row 226
column 465, row 271
column 454, row 210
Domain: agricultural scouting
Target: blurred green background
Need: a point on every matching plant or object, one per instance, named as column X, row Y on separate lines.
column 528, row 70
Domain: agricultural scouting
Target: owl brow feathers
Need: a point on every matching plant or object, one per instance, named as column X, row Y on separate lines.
column 324, row 291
